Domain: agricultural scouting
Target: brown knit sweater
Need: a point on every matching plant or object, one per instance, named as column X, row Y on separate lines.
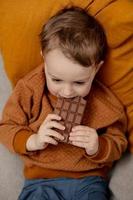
column 27, row 108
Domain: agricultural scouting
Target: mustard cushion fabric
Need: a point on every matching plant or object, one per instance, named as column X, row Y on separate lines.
column 21, row 22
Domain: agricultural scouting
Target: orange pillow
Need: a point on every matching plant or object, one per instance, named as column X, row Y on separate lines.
column 21, row 22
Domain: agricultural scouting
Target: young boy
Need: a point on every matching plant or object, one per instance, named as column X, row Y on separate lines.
column 74, row 48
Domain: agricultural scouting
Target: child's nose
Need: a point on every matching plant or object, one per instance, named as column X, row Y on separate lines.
column 67, row 91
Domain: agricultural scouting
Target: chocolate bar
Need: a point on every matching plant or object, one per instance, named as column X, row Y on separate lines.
column 71, row 112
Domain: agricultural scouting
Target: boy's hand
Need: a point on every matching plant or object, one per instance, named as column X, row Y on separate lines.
column 85, row 137
column 46, row 135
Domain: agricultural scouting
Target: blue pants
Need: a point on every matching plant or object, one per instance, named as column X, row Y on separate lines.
column 88, row 188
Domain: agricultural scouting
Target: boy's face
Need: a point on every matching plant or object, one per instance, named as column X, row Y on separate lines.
column 65, row 78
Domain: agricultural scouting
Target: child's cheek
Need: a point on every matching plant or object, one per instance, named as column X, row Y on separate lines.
column 83, row 91
column 54, row 89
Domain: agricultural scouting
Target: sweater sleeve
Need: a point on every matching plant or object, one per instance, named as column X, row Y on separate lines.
column 112, row 143
column 14, row 129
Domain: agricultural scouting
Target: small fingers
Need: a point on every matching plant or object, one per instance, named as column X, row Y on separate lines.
column 55, row 134
column 84, row 139
column 80, row 133
column 54, row 124
column 52, row 116
column 50, row 140
column 82, row 128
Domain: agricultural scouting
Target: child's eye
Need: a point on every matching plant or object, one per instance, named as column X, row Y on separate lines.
column 80, row 83
column 56, row 80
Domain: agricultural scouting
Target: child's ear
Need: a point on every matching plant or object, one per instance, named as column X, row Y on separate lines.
column 41, row 53
column 98, row 66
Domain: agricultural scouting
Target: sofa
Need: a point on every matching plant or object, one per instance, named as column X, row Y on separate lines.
column 20, row 23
